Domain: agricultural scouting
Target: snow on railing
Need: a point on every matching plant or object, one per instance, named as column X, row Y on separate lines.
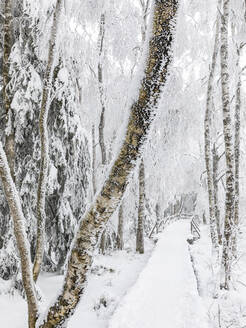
column 160, row 225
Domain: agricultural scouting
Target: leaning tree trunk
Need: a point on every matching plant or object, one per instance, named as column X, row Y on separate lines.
column 141, row 211
column 107, row 200
column 45, row 104
column 7, row 45
column 20, row 235
column 101, row 90
column 207, row 139
column 227, row 130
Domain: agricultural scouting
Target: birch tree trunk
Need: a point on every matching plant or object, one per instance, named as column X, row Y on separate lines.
column 101, row 90
column 107, row 200
column 7, row 45
column 158, row 216
column 120, row 232
column 45, row 104
column 215, row 185
column 229, row 152
column 20, row 235
column 141, row 210
column 237, row 158
column 207, row 138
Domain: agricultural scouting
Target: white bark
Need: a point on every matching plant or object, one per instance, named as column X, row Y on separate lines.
column 141, row 210
column 20, row 235
column 45, row 104
column 120, row 232
column 207, row 137
column 229, row 151
column 101, row 90
column 237, row 156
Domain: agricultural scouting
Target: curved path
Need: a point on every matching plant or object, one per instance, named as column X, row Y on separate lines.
column 165, row 294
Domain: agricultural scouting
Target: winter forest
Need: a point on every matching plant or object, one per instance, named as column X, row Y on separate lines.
column 122, row 163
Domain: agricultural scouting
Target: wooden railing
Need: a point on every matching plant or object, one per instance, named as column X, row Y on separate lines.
column 160, row 225
column 194, row 227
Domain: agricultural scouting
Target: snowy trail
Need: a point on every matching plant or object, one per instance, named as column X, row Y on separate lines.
column 165, row 295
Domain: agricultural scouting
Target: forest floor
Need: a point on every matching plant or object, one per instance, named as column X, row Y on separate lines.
column 228, row 310
column 154, row 290
column 110, row 279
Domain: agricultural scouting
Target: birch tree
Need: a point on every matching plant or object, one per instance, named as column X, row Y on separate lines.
column 101, row 89
column 229, row 151
column 237, row 125
column 7, row 45
column 207, row 137
column 20, row 235
column 45, row 104
column 215, row 162
column 141, row 210
column 120, row 232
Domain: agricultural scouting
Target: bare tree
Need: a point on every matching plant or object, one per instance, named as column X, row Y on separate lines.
column 101, row 89
column 45, row 104
column 229, row 151
column 207, row 137
column 7, row 45
column 158, row 215
column 20, row 235
column 215, row 192
column 120, row 232
column 237, row 153
column 141, row 210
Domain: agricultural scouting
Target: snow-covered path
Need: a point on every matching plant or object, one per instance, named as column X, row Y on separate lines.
column 165, row 294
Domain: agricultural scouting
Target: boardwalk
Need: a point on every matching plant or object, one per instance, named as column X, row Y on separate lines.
column 165, row 294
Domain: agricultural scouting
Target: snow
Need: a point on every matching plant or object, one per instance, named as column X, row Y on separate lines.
column 228, row 309
column 111, row 277
column 157, row 289
column 165, row 294
column 154, row 290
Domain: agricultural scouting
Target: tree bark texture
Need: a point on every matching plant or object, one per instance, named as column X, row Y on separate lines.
column 215, row 187
column 106, row 202
column 237, row 120
column 101, row 90
column 7, row 45
column 207, row 138
column 141, row 210
column 120, row 232
column 43, row 131
column 229, row 151
column 20, row 235
column 158, row 216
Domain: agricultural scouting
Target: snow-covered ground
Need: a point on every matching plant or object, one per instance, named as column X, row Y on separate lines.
column 154, row 290
column 111, row 277
column 228, row 310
